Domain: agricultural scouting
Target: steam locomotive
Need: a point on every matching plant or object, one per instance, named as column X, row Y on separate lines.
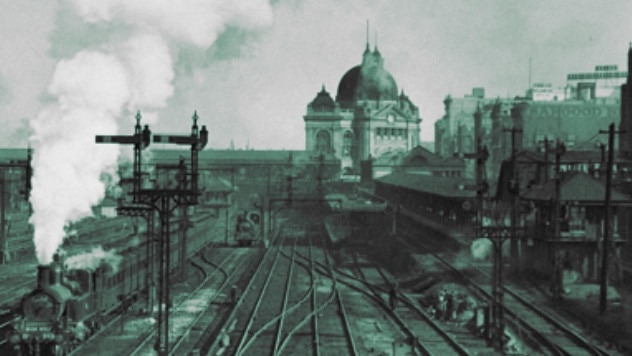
column 248, row 228
column 69, row 305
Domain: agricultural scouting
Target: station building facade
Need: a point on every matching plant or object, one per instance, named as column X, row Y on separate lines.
column 369, row 118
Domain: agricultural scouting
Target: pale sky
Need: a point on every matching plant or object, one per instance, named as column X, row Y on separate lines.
column 252, row 68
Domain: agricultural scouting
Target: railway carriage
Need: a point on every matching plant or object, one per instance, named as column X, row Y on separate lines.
column 68, row 305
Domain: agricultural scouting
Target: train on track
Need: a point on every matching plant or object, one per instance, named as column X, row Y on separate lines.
column 248, row 228
column 70, row 305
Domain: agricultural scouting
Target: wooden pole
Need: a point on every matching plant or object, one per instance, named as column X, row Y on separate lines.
column 603, row 294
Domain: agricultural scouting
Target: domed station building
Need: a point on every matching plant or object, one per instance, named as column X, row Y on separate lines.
column 369, row 119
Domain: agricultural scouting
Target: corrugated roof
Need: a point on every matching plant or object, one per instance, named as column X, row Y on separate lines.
column 577, row 186
column 444, row 186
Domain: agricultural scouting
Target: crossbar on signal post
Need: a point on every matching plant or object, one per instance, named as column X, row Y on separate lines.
column 160, row 200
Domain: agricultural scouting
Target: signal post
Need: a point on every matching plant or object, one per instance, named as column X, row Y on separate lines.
column 165, row 201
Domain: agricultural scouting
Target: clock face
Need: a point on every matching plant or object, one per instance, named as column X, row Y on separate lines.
column 390, row 118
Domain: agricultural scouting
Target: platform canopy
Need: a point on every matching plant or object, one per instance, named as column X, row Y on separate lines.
column 577, row 187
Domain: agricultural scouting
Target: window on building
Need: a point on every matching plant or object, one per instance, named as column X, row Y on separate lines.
column 347, row 142
column 323, row 141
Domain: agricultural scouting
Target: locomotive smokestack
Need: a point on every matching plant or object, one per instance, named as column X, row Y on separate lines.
column 48, row 274
column 43, row 276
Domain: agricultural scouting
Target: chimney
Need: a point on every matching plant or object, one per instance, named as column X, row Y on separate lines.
column 43, row 276
column 48, row 275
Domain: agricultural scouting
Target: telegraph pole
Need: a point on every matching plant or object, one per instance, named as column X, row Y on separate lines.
column 546, row 159
column 481, row 156
column 603, row 291
column 557, row 263
column 514, row 187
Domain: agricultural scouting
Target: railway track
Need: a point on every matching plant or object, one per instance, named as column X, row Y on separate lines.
column 134, row 333
column 262, row 333
column 419, row 331
column 545, row 333
column 407, row 322
column 323, row 325
column 288, row 308
column 194, row 313
column 425, row 334
column 135, row 326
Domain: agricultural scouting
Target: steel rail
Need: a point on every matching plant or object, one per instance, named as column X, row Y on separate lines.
column 314, row 309
column 328, row 270
column 184, row 335
column 343, row 312
column 150, row 336
column 380, row 302
column 284, row 311
column 409, row 303
column 314, row 317
column 543, row 339
column 286, row 297
column 231, row 318
column 259, row 301
column 398, row 320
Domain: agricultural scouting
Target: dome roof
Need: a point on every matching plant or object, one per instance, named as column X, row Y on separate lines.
column 323, row 102
column 369, row 81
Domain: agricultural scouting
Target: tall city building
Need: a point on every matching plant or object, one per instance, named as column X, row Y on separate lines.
column 573, row 115
column 625, row 147
column 369, row 119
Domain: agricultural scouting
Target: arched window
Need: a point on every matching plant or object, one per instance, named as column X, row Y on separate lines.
column 323, row 141
column 347, row 142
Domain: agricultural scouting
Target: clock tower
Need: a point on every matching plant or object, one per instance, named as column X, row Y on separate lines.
column 369, row 119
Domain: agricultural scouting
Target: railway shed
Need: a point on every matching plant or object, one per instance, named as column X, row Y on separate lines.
column 446, row 200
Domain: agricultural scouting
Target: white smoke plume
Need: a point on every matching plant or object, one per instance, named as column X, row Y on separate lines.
column 95, row 87
column 95, row 258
